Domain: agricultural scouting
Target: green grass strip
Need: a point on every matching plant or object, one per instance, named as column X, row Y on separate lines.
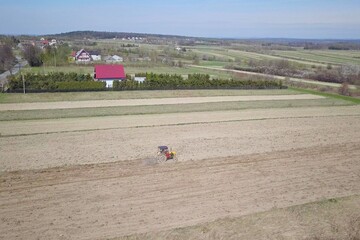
column 159, row 109
column 329, row 95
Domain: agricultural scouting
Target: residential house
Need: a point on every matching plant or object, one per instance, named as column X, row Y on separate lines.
column 95, row 55
column 53, row 42
column 82, row 56
column 117, row 58
column 113, row 59
column 109, row 73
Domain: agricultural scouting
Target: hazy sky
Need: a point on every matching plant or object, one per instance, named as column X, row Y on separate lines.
column 206, row 18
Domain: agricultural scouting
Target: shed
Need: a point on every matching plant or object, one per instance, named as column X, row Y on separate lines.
column 109, row 73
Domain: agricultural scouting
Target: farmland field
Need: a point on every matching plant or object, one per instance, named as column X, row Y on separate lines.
column 266, row 165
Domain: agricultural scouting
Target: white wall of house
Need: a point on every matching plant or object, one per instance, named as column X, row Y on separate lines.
column 109, row 83
column 117, row 58
column 96, row 57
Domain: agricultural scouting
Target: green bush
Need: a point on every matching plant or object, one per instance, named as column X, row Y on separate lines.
column 80, row 85
column 48, row 82
column 194, row 81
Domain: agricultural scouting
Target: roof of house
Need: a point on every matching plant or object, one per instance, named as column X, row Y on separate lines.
column 94, row 52
column 79, row 52
column 110, row 71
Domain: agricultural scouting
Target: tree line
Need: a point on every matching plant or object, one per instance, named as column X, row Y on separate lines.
column 50, row 56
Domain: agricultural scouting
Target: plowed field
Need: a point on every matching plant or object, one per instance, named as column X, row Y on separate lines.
column 96, row 178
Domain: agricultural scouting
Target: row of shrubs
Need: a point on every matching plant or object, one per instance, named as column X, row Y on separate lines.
column 194, row 81
column 80, row 82
column 53, row 81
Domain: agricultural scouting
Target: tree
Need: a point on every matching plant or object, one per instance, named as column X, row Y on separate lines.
column 7, row 58
column 33, row 55
column 54, row 56
column 344, row 89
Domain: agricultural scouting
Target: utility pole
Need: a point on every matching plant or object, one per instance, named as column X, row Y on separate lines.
column 22, row 76
column 55, row 56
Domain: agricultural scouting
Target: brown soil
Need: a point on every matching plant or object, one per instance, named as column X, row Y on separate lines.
column 12, row 128
column 101, row 184
column 192, row 141
column 115, row 199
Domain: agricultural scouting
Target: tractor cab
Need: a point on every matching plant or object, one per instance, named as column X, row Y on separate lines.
column 164, row 154
column 163, row 149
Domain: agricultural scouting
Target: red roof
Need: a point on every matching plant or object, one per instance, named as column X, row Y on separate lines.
column 109, row 72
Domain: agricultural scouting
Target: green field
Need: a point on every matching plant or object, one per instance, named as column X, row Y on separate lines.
column 113, row 95
column 159, row 109
column 213, row 58
column 322, row 56
column 298, row 56
column 329, row 100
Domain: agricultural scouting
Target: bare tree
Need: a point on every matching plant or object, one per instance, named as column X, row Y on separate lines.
column 7, row 59
column 33, row 55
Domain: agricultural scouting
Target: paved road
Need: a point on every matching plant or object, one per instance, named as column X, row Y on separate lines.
column 15, row 70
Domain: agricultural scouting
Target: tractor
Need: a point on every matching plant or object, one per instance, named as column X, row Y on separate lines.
column 164, row 154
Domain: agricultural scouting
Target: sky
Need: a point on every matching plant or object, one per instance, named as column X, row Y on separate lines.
column 315, row 19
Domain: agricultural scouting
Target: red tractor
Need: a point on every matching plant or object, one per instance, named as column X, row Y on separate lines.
column 165, row 154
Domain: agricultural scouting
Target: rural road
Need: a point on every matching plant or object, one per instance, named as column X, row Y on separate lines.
column 15, row 70
column 337, row 85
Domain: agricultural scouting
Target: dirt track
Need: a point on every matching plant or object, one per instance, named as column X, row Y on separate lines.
column 116, row 199
column 146, row 102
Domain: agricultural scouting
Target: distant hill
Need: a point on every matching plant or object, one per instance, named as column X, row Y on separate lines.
column 110, row 35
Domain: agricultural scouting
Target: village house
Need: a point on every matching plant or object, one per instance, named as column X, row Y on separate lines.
column 95, row 55
column 82, row 56
column 113, row 59
column 109, row 73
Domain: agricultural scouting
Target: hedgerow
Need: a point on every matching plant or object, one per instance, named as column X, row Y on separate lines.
column 81, row 82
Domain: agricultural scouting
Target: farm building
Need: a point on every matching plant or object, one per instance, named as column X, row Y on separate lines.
column 109, row 73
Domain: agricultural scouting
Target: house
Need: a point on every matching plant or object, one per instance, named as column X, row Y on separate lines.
column 82, row 56
column 95, row 55
column 117, row 58
column 109, row 73
column 113, row 59
column 53, row 42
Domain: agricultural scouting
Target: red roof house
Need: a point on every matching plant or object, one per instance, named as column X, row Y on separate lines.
column 109, row 73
